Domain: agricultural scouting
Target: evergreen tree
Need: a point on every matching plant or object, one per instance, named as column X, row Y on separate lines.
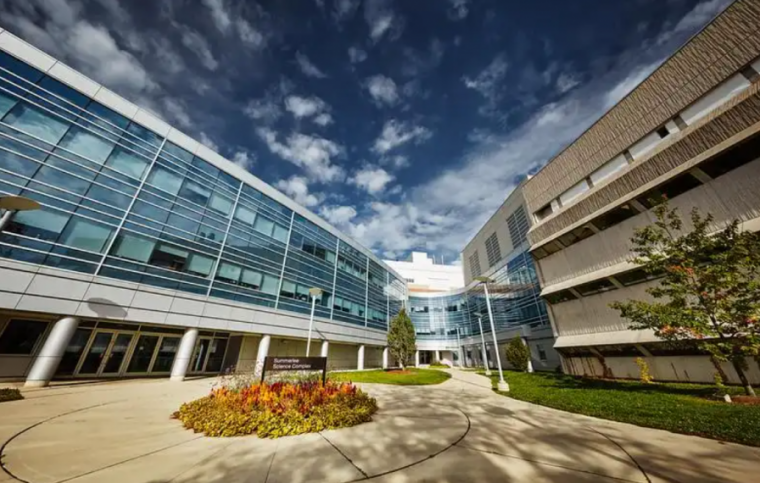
column 401, row 338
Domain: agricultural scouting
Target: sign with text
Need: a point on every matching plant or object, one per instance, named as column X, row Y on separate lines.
column 282, row 364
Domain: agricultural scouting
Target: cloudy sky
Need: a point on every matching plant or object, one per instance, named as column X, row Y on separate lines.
column 404, row 123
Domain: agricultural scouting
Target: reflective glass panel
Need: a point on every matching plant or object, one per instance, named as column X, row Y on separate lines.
column 86, row 235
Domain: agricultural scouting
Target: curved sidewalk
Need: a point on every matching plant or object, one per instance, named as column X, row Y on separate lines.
column 457, row 431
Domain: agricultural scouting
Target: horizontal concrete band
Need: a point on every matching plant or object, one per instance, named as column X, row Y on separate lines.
column 740, row 117
column 724, row 47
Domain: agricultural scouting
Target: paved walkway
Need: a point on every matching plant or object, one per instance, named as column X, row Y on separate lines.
column 458, row 431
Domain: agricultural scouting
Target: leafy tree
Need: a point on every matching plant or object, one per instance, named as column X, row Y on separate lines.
column 518, row 354
column 401, row 338
column 709, row 293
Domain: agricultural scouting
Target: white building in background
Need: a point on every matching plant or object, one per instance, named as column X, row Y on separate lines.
column 423, row 274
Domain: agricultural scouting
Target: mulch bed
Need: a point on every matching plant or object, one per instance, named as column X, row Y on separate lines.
column 746, row 400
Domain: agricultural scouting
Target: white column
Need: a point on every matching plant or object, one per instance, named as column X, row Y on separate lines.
column 6, row 217
column 184, row 354
column 530, row 357
column 46, row 362
column 360, row 358
column 325, row 349
column 262, row 353
column 385, row 358
column 416, row 358
column 437, row 356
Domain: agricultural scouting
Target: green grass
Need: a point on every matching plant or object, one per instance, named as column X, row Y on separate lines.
column 680, row 408
column 10, row 394
column 416, row 377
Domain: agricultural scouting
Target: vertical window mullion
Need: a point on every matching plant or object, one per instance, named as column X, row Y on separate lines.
column 224, row 241
column 366, row 295
column 335, row 277
column 116, row 232
column 284, row 260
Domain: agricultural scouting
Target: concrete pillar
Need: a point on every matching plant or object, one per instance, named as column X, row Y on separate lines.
column 5, row 218
column 437, row 356
column 385, row 358
column 530, row 357
column 46, row 362
column 262, row 353
column 325, row 349
column 416, row 358
column 360, row 358
column 184, row 354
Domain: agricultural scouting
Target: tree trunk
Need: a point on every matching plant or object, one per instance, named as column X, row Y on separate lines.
column 742, row 376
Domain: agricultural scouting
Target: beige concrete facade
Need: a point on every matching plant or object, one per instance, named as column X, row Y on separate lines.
column 690, row 131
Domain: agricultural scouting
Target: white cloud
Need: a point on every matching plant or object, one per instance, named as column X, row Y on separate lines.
column 372, row 179
column 458, row 9
column 696, row 18
column 397, row 161
column 345, row 9
column 206, row 140
column 489, row 80
column 265, row 110
column 382, row 89
column 629, row 83
column 356, row 55
column 324, row 119
column 195, row 43
column 222, row 18
column 566, row 82
column 419, row 62
column 304, row 106
column 397, row 133
column 244, row 159
column 219, row 14
column 338, row 215
column 297, row 187
column 312, row 153
column 178, row 112
column 308, row 68
column 249, row 35
column 380, row 18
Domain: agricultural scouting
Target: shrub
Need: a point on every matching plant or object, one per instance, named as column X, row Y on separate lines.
column 644, row 375
column 10, row 394
column 277, row 409
column 518, row 354
column 439, row 364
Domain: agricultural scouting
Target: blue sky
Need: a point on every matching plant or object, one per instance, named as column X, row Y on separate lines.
column 403, row 123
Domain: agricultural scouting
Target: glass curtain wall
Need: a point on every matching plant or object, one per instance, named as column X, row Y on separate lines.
column 120, row 201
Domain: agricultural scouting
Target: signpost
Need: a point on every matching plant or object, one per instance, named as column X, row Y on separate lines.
column 284, row 364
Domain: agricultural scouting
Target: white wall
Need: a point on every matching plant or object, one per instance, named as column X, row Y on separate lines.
column 428, row 275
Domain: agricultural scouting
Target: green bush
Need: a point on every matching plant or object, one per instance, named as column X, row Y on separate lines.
column 10, row 394
column 278, row 409
column 518, row 354
column 439, row 364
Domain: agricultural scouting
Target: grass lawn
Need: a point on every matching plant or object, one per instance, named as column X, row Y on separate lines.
column 680, row 408
column 410, row 377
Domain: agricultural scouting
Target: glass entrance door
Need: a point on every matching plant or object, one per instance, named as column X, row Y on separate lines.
column 96, row 354
column 200, row 355
column 115, row 356
column 105, row 354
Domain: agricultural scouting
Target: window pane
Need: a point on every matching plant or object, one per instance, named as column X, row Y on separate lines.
column 251, row 279
column 149, row 136
column 199, row 265
column 288, row 289
column 21, row 69
column 87, row 144
column 44, row 224
column 166, row 353
column 16, row 164
column 183, row 223
column 127, row 162
column 195, row 193
column 20, row 336
column 36, row 122
column 220, row 204
column 86, row 235
column 269, row 284
column 245, row 215
column 228, row 272
column 167, row 256
column 59, row 179
column 165, row 179
column 6, row 103
column 263, row 225
column 107, row 114
column 280, row 233
column 177, row 151
column 111, row 198
column 134, row 248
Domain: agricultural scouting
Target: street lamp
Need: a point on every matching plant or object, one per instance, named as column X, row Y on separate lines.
column 459, row 350
column 502, row 385
column 314, row 292
column 12, row 204
column 483, row 341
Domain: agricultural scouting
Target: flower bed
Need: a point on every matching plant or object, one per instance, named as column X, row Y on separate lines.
column 10, row 394
column 277, row 409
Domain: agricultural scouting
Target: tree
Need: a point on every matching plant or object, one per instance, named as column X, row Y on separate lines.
column 401, row 338
column 518, row 354
column 709, row 293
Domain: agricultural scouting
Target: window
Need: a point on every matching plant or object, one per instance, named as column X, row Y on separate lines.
column 633, row 277
column 199, row 265
column 614, row 216
column 574, row 192
column 607, row 170
column 194, row 192
column 269, row 284
column 220, row 203
column 85, row 235
column 134, row 247
column 263, row 225
column 409, row 280
column 675, row 187
column 576, row 235
column 662, row 132
column 20, row 336
column 169, row 256
column 251, row 279
column 518, row 225
column 165, row 180
column 733, row 158
column 544, row 212
column 474, row 265
column 288, row 289
column 492, row 250
column 245, row 215
column 33, row 120
column 541, row 353
column 595, row 287
column 559, row 297
column 127, row 162
column 45, row 224
column 86, row 144
column 228, row 273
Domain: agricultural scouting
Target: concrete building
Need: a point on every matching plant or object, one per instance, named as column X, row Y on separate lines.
column 689, row 134
column 154, row 255
column 423, row 274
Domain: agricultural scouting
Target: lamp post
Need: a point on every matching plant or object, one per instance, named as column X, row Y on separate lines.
column 314, row 292
column 459, row 349
column 502, row 385
column 12, row 204
column 483, row 341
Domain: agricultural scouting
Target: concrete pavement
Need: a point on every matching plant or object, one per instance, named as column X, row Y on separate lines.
column 457, row 431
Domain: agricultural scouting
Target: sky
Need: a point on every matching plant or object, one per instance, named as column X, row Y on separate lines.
column 403, row 123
